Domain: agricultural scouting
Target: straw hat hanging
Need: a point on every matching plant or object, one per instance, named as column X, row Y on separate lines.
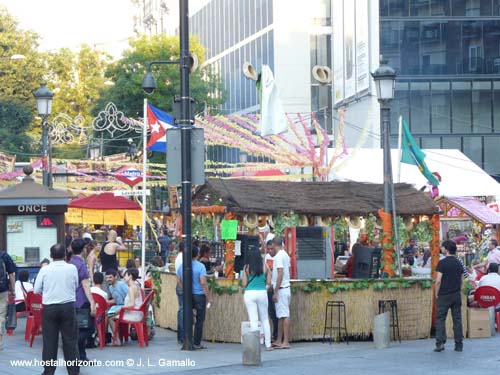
column 408, row 222
column 270, row 221
column 303, row 221
column 323, row 221
column 354, row 222
column 250, row 221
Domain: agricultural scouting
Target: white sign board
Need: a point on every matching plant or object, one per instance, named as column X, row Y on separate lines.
column 130, row 193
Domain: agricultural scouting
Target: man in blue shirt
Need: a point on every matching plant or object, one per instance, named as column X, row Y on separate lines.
column 117, row 288
column 165, row 242
column 201, row 296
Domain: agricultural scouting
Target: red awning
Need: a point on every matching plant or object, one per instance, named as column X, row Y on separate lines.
column 105, row 201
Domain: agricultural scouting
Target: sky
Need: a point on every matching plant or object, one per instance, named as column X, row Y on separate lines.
column 107, row 24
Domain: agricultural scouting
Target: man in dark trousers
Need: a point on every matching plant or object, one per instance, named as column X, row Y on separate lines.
column 57, row 282
column 448, row 294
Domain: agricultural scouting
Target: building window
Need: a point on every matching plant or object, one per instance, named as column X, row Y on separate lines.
column 496, row 106
column 491, row 159
column 440, row 107
column 481, row 107
column 472, row 147
column 461, row 102
column 420, row 108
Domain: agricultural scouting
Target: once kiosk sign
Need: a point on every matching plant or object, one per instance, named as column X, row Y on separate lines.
column 31, row 208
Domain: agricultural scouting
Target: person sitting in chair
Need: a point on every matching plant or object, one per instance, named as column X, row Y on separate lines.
column 492, row 278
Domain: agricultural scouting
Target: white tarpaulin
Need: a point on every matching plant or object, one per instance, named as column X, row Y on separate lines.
column 460, row 176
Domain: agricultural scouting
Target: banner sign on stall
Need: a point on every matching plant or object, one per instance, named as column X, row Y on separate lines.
column 229, row 229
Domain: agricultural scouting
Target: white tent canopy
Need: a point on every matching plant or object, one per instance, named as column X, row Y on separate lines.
column 461, row 177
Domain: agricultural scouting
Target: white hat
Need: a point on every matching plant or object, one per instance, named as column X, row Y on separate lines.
column 87, row 235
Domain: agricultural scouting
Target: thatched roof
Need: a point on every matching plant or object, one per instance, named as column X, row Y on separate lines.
column 317, row 198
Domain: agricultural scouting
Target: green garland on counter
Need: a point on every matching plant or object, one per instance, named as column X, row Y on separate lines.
column 333, row 286
column 155, row 273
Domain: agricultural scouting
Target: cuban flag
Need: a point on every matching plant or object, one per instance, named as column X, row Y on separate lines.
column 159, row 122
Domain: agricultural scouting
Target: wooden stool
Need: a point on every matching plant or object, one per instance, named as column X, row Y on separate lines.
column 341, row 325
column 393, row 305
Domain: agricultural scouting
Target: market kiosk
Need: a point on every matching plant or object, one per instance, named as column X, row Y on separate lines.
column 308, row 205
column 31, row 220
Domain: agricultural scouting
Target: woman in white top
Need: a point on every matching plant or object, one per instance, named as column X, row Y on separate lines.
column 133, row 299
column 23, row 286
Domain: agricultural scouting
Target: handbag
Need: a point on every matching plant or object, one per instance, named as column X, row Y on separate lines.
column 11, row 320
column 83, row 318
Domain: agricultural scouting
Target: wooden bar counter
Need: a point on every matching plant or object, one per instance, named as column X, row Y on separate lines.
column 307, row 308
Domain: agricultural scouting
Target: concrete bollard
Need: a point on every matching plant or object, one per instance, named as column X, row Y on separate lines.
column 251, row 348
column 492, row 321
column 381, row 330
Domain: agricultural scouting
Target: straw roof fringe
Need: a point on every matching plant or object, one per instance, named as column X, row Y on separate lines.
column 315, row 198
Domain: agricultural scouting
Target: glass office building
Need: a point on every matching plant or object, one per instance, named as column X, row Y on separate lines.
column 447, row 55
column 234, row 32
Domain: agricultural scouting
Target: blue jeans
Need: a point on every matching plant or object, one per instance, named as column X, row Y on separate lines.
column 180, row 312
column 200, row 305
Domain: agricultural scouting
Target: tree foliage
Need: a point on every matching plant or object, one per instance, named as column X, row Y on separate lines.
column 18, row 78
column 15, row 119
column 128, row 72
column 75, row 78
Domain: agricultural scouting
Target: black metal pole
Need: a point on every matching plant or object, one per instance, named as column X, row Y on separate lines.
column 185, row 123
column 45, row 176
column 389, row 194
column 386, row 146
column 49, row 174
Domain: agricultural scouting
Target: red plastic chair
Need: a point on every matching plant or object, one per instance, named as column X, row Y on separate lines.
column 100, row 318
column 488, row 296
column 29, row 318
column 141, row 326
column 36, row 306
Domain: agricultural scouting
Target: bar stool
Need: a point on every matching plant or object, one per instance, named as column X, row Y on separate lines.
column 383, row 305
column 339, row 324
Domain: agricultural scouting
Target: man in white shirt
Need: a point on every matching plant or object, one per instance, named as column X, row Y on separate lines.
column 493, row 255
column 281, row 296
column 97, row 288
column 492, row 278
column 57, row 282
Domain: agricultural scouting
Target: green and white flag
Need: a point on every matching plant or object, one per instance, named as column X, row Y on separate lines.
column 412, row 154
column 272, row 115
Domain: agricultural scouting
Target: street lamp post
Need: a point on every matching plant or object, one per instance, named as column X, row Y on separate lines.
column 186, row 64
column 43, row 98
column 385, row 79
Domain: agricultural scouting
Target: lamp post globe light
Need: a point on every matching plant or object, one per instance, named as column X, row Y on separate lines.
column 385, row 78
column 43, row 98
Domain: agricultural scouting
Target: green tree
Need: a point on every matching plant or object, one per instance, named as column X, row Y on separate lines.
column 18, row 78
column 128, row 72
column 77, row 79
column 15, row 119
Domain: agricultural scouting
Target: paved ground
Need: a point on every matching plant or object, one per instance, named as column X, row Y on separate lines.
column 480, row 356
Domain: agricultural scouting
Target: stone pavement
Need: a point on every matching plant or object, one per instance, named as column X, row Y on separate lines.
column 480, row 356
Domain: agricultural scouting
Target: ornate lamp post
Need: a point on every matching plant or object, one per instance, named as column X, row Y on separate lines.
column 385, row 80
column 43, row 98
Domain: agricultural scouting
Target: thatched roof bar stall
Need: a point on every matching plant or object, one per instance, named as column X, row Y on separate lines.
column 316, row 198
